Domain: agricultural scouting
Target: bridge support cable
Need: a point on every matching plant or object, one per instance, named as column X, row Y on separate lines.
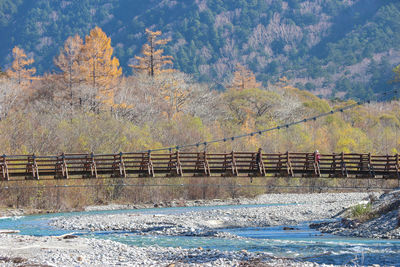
column 277, row 128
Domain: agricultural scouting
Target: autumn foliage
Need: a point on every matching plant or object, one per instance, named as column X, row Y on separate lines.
column 101, row 69
column 153, row 62
column 91, row 63
column 19, row 70
column 243, row 79
column 156, row 107
column 89, row 106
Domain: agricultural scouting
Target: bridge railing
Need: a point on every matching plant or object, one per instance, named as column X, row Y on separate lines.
column 65, row 166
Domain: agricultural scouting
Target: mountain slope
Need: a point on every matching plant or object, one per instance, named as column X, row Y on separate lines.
column 331, row 47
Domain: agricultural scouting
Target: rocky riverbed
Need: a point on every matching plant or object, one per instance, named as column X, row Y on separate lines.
column 379, row 218
column 77, row 251
column 56, row 251
column 295, row 208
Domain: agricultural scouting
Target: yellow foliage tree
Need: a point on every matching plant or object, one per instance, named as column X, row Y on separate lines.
column 19, row 70
column 243, row 79
column 100, row 69
column 69, row 62
column 153, row 61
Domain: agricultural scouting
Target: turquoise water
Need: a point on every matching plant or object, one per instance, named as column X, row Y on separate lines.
column 301, row 243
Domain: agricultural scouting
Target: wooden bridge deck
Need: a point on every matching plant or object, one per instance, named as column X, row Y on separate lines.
column 122, row 165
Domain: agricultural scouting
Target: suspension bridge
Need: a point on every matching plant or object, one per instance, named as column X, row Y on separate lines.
column 181, row 164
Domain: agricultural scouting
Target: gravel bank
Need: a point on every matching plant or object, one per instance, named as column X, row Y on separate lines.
column 383, row 220
column 53, row 251
column 302, row 207
column 57, row 251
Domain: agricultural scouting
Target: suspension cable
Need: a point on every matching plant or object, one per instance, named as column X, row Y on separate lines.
column 233, row 138
column 382, row 96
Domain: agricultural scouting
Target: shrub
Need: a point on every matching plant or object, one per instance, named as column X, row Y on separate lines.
column 362, row 212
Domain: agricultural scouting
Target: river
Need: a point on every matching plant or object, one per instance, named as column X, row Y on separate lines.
column 299, row 243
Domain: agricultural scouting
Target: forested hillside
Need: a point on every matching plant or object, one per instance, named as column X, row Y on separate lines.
column 333, row 48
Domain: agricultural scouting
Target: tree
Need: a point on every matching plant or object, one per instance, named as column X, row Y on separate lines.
column 396, row 70
column 153, row 61
column 100, row 69
column 243, row 79
column 251, row 103
column 19, row 70
column 175, row 92
column 10, row 93
column 69, row 62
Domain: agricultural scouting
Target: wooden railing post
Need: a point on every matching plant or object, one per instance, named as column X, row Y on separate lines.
column 397, row 169
column 143, row 165
column 371, row 166
column 118, row 167
column 4, row 169
column 202, row 164
column 32, row 170
column 261, row 166
column 90, row 167
column 61, row 168
column 171, row 162
column 289, row 165
column 178, row 164
column 206, row 165
column 147, row 165
column 233, row 164
column 150, row 167
column 317, row 158
column 122, row 165
column 225, row 165
column 279, row 165
column 343, row 166
column 333, row 166
column 387, row 167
